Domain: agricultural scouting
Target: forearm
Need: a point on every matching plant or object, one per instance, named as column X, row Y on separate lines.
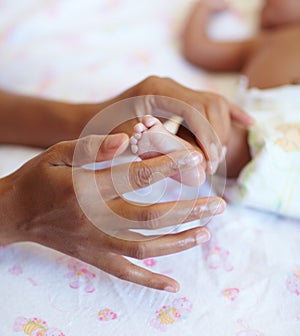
column 213, row 55
column 39, row 122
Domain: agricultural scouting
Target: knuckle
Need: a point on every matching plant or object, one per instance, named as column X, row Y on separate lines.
column 53, row 152
column 151, row 218
column 54, row 148
column 141, row 175
column 198, row 105
column 87, row 144
column 153, row 79
column 167, row 79
column 139, row 251
column 154, row 84
column 173, row 166
column 148, row 85
column 123, row 274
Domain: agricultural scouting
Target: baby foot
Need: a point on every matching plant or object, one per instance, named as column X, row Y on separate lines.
column 152, row 139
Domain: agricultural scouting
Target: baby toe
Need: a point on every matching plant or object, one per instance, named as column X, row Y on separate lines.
column 138, row 136
column 139, row 128
column 150, row 121
column 133, row 140
column 134, row 149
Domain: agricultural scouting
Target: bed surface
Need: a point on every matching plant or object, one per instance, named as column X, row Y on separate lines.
column 244, row 282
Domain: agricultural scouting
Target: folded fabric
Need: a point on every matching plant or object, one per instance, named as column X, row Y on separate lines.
column 271, row 180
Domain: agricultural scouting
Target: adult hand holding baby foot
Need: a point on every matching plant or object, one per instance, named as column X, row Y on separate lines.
column 208, row 116
column 41, row 201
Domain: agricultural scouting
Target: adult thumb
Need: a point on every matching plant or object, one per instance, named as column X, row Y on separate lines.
column 89, row 149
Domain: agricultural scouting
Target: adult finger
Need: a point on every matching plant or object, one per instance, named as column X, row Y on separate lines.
column 89, row 149
column 240, row 116
column 120, row 179
column 217, row 113
column 165, row 97
column 160, row 215
column 122, row 268
column 153, row 246
column 195, row 117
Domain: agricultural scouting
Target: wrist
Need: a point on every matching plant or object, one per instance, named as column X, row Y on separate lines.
column 66, row 120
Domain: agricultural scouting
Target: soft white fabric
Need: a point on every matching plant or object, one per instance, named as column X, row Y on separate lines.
column 271, row 180
column 245, row 281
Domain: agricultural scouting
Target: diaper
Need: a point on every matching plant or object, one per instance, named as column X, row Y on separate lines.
column 271, row 180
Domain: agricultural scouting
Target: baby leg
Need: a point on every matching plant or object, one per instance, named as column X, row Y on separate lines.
column 151, row 139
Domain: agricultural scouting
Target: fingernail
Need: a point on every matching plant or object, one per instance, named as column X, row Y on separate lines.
column 216, row 206
column 202, row 237
column 214, row 153
column 214, row 158
column 213, row 166
column 251, row 120
column 134, row 149
column 191, row 159
column 223, row 153
column 170, row 289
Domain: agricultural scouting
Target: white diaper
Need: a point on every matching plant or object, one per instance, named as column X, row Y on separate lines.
column 271, row 181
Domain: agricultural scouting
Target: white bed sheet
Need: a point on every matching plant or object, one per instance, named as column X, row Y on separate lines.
column 244, row 282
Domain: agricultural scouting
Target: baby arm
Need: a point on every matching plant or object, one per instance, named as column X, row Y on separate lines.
column 200, row 50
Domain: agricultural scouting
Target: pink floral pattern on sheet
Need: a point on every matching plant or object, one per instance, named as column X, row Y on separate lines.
column 160, row 268
column 216, row 256
column 231, row 293
column 106, row 315
column 247, row 331
column 16, row 270
column 167, row 315
column 150, row 262
column 35, row 327
column 293, row 282
column 79, row 276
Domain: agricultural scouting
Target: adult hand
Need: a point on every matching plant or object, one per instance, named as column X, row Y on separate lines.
column 21, row 120
column 38, row 203
column 214, row 108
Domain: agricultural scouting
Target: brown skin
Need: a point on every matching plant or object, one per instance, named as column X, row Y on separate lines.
column 270, row 59
column 38, row 202
column 42, row 123
column 276, row 13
